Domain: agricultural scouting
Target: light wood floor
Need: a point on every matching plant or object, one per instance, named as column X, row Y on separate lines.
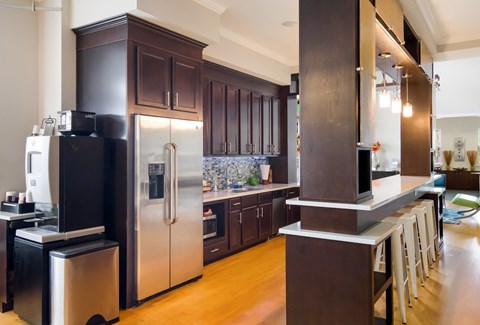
column 249, row 288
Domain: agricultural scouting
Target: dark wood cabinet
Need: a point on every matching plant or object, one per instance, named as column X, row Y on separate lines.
column 271, row 125
column 265, row 221
column 293, row 211
column 234, row 116
column 250, row 123
column 461, row 180
column 235, row 230
column 224, row 110
column 167, row 81
column 250, row 225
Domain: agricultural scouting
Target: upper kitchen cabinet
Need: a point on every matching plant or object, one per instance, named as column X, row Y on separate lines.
column 271, row 125
column 392, row 15
column 426, row 60
column 250, row 123
column 241, row 112
column 223, row 107
column 167, row 81
column 163, row 75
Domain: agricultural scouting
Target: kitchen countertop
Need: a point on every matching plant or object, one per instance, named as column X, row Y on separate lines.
column 8, row 216
column 225, row 194
column 384, row 190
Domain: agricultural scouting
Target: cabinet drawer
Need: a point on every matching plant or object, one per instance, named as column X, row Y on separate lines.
column 293, row 192
column 215, row 251
column 235, row 204
column 265, row 198
column 249, row 201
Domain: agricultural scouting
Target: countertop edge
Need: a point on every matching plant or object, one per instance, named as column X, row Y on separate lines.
column 372, row 236
column 8, row 216
column 224, row 195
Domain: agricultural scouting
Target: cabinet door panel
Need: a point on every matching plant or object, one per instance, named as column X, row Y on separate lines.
column 232, row 113
column 249, row 226
column 245, row 118
column 256, row 123
column 153, row 77
column 275, row 125
column 234, row 230
column 186, row 83
column 266, row 123
column 218, row 118
column 207, row 118
column 265, row 227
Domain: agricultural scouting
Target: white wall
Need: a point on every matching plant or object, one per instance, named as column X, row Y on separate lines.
column 459, row 88
column 387, row 131
column 18, row 93
column 466, row 127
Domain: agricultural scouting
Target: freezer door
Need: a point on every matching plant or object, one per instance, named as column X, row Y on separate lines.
column 152, row 231
column 187, row 230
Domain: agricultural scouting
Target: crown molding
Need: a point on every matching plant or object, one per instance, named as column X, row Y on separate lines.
column 212, row 5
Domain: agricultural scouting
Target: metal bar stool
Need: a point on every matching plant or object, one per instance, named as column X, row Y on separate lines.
column 431, row 225
column 399, row 268
column 421, row 213
column 413, row 258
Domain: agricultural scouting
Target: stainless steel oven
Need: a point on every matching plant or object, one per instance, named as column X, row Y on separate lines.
column 209, row 226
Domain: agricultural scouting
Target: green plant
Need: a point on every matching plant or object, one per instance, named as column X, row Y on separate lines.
column 253, row 180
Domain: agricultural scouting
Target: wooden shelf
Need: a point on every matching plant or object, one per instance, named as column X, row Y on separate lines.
column 381, row 281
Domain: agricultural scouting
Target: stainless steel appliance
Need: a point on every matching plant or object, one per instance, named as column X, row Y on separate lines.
column 76, row 123
column 279, row 210
column 209, row 226
column 168, row 203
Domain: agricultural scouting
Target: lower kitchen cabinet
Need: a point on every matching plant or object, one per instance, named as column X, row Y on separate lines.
column 250, row 225
column 235, row 230
column 215, row 251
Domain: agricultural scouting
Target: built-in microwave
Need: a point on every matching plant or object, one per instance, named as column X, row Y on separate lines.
column 209, row 226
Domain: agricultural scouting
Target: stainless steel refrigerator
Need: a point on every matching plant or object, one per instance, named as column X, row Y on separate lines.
column 168, row 203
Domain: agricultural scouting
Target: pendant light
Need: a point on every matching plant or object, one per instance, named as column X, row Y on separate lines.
column 397, row 101
column 384, row 98
column 407, row 108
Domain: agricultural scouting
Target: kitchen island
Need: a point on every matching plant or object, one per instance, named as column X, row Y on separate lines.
column 330, row 278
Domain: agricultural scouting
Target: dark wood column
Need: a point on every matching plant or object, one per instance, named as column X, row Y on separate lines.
column 416, row 131
column 328, row 99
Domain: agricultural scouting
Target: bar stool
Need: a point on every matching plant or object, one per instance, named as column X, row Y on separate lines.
column 421, row 213
column 399, row 268
column 413, row 260
column 431, row 224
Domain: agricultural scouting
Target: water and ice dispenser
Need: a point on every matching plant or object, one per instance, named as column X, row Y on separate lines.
column 156, row 181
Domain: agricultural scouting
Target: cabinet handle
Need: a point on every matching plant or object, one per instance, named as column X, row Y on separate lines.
column 253, row 148
column 258, row 215
column 224, row 144
column 238, row 203
column 175, row 104
column 261, row 212
column 273, row 148
column 214, row 250
column 289, row 207
column 240, row 218
column 229, row 147
column 168, row 98
column 292, row 192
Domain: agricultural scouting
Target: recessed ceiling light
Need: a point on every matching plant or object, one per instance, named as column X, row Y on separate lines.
column 289, row 23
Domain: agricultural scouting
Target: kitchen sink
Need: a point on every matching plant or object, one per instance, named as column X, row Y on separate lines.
column 241, row 190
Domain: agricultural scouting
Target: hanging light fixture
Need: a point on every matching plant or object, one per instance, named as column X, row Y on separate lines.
column 407, row 108
column 384, row 98
column 397, row 101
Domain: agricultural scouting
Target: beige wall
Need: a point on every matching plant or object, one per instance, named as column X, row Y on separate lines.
column 18, row 93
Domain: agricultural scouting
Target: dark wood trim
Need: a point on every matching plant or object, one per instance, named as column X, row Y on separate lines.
column 242, row 80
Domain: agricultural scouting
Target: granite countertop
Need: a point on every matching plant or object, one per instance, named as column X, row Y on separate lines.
column 384, row 190
column 250, row 190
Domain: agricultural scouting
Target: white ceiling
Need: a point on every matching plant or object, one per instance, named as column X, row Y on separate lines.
column 449, row 28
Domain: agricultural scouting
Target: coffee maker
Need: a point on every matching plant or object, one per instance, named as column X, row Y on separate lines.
column 65, row 177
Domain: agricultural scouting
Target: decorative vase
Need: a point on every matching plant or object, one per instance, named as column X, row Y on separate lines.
column 375, row 161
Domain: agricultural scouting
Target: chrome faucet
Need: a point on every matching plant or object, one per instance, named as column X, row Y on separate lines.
column 232, row 173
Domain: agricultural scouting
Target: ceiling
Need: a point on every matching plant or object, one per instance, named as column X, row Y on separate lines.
column 451, row 29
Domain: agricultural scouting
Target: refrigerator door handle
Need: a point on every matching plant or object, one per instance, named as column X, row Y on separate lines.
column 172, row 147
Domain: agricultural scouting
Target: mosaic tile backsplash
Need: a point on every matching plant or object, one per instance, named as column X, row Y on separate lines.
column 234, row 168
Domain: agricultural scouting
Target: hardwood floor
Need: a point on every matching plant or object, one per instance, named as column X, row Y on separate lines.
column 249, row 288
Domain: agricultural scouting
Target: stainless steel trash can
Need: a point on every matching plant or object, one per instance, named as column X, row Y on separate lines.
column 84, row 284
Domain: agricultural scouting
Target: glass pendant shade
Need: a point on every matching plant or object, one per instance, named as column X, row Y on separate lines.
column 407, row 110
column 396, row 105
column 384, row 99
